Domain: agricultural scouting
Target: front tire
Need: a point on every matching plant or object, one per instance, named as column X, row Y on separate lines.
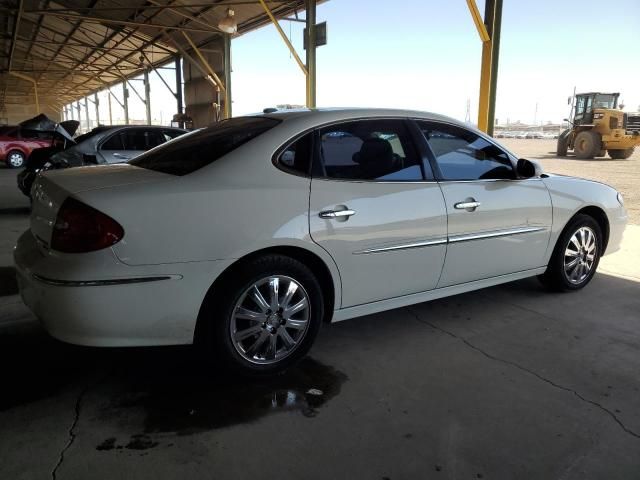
column 587, row 144
column 15, row 159
column 263, row 318
column 576, row 255
column 621, row 154
column 563, row 143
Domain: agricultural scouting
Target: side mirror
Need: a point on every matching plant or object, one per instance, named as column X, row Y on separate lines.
column 528, row 169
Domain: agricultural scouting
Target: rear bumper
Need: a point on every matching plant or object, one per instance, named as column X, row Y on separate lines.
column 139, row 309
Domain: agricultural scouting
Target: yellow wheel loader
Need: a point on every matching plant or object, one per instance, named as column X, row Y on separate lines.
column 599, row 127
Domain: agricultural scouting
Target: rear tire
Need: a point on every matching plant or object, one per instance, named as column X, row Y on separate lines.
column 563, row 143
column 15, row 159
column 255, row 334
column 587, row 144
column 576, row 255
column 621, row 154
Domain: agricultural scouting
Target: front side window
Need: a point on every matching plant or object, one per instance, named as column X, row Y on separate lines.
column 199, row 148
column 461, row 154
column 379, row 150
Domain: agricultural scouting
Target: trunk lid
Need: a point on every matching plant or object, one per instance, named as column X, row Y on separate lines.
column 52, row 188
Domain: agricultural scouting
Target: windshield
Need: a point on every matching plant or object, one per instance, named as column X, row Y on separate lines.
column 605, row 100
column 195, row 150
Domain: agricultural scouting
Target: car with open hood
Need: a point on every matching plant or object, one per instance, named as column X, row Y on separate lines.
column 18, row 143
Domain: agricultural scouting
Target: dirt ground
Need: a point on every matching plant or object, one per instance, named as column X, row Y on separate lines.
column 624, row 175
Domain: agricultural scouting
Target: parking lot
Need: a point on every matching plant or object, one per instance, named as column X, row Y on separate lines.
column 506, row 382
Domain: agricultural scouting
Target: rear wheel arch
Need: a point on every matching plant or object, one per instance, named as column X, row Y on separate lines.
column 319, row 268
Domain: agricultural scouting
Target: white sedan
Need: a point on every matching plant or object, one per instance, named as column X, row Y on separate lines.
column 245, row 236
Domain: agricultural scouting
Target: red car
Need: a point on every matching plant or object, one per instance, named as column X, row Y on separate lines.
column 17, row 143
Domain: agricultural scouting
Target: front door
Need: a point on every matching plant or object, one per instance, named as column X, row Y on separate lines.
column 498, row 224
column 375, row 210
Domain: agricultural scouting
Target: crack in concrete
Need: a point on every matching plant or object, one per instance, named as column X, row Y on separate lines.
column 71, row 432
column 526, row 370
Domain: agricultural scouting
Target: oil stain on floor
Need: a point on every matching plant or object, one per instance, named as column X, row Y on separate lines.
column 195, row 402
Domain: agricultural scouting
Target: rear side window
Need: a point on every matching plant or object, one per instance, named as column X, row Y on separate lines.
column 379, row 150
column 197, row 149
column 114, row 143
column 296, row 157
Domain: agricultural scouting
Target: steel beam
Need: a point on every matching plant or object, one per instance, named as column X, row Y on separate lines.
column 14, row 35
column 35, row 86
column 205, row 64
column 284, row 36
column 128, row 23
column 485, row 31
column 97, row 105
column 311, row 53
column 227, row 76
column 125, row 102
column 86, row 113
column 147, row 96
column 495, row 55
column 179, row 100
column 109, row 94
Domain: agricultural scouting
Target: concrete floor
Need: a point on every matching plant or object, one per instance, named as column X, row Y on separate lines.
column 503, row 383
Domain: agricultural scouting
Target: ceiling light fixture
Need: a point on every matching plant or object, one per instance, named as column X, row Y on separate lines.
column 228, row 24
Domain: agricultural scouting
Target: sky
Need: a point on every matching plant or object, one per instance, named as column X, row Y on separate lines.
column 425, row 55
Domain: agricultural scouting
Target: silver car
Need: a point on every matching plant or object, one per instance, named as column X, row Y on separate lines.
column 116, row 144
column 245, row 236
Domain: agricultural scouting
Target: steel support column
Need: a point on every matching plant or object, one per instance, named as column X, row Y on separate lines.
column 485, row 68
column 78, row 110
column 179, row 85
column 495, row 54
column 125, row 103
column 147, row 96
column 311, row 52
column 227, row 76
column 110, row 114
column 96, row 104
column 86, row 113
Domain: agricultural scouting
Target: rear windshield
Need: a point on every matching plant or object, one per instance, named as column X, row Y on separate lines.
column 197, row 149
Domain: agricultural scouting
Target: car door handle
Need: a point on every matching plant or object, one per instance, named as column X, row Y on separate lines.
column 119, row 155
column 467, row 205
column 336, row 213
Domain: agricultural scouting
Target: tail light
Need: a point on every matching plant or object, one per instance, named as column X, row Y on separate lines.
column 80, row 228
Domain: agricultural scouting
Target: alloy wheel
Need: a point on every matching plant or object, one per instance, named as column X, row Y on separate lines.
column 16, row 159
column 270, row 319
column 580, row 255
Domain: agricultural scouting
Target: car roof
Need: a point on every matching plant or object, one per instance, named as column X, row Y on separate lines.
column 351, row 112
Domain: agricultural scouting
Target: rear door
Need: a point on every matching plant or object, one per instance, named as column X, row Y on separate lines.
column 498, row 224
column 376, row 210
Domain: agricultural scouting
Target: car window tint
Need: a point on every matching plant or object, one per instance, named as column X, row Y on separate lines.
column 297, row 155
column 135, row 139
column 464, row 155
column 199, row 148
column 368, row 150
column 154, row 138
column 171, row 134
column 113, row 143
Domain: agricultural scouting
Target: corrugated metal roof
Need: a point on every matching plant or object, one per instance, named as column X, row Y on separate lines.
column 74, row 47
